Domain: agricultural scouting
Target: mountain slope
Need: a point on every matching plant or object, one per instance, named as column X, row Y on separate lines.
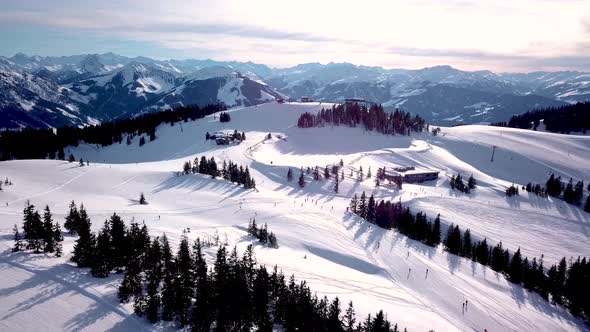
column 335, row 252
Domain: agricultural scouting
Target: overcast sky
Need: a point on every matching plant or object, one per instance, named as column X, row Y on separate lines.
column 513, row 35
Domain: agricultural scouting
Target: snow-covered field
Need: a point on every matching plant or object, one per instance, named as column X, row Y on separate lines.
column 338, row 254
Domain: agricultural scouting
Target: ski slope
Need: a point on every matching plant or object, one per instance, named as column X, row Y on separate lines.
column 336, row 253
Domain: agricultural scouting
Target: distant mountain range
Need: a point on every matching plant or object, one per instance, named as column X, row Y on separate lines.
column 85, row 89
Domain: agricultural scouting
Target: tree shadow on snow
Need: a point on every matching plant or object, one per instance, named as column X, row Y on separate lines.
column 59, row 280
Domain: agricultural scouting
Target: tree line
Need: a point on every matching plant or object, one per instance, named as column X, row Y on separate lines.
column 50, row 143
column 562, row 119
column 457, row 183
column 390, row 215
column 224, row 117
column 563, row 283
column 229, row 171
column 236, row 294
column 571, row 193
column 372, row 118
column 40, row 233
column 262, row 234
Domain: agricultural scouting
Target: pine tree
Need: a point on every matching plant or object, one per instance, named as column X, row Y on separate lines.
column 353, row 204
column 142, row 200
column 131, row 284
column 301, row 180
column 334, row 323
column 72, row 219
column 119, row 242
column 102, row 255
column 84, row 247
column 261, row 300
column 48, row 235
column 272, row 240
column 184, row 268
column 58, row 236
column 289, row 175
column 369, row 173
column 336, row 183
column 18, row 242
column 435, row 232
column 154, row 273
column 71, row 158
column 516, row 269
column 467, row 245
column 360, row 174
column 471, row 183
column 587, row 206
column 349, row 318
column 33, row 228
column 371, row 213
column 201, row 316
column 362, row 206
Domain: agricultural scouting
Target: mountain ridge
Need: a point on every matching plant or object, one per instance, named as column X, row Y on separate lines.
column 441, row 94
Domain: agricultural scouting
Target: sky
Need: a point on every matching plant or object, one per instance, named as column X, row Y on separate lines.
column 498, row 35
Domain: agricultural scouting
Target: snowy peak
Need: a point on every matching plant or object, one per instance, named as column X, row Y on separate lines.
column 92, row 64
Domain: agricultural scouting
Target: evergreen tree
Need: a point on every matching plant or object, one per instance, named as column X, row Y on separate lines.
column 33, row 228
column 301, row 180
column 515, row 273
column 272, row 240
column 71, row 158
column 102, row 255
column 131, row 286
column 453, row 241
column 154, row 271
column 434, row 238
column 184, row 268
column 353, row 204
column 72, row 219
column 119, row 242
column 371, row 213
column 334, row 323
column 568, row 193
column 289, row 175
column 18, row 242
column 471, row 183
column 467, row 245
column 142, row 200
column 349, row 318
column 58, row 236
column 362, row 206
column 360, row 174
column 48, row 235
column 84, row 247
column 336, row 183
column 587, row 206
column 261, row 300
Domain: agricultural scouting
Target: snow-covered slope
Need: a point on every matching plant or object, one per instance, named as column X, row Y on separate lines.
column 338, row 254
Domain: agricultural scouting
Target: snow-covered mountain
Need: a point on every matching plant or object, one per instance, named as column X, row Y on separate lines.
column 27, row 100
column 114, row 86
column 103, row 87
column 442, row 94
